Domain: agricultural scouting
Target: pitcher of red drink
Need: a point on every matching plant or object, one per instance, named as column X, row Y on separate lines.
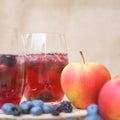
column 46, row 56
column 12, row 72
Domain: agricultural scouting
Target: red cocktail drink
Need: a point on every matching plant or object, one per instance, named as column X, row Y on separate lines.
column 11, row 78
column 43, row 73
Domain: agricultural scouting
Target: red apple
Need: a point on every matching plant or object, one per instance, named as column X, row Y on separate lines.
column 81, row 82
column 109, row 100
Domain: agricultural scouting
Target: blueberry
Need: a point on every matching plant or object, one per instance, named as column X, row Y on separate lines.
column 7, row 107
column 29, row 103
column 92, row 109
column 93, row 117
column 46, row 108
column 56, row 109
column 70, row 119
column 26, row 106
column 55, row 112
column 36, row 110
column 17, row 110
column 11, row 109
column 9, row 60
column 37, row 102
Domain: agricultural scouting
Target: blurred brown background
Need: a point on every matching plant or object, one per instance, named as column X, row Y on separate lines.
column 92, row 26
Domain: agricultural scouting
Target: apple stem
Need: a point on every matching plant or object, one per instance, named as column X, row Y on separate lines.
column 82, row 57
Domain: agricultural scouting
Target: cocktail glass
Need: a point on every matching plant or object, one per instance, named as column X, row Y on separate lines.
column 46, row 56
column 12, row 72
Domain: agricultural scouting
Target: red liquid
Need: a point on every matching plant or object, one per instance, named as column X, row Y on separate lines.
column 43, row 73
column 11, row 78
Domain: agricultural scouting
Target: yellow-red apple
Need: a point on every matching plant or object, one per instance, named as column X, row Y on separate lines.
column 109, row 100
column 81, row 82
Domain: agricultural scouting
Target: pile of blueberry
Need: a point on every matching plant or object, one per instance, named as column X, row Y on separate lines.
column 36, row 107
column 93, row 113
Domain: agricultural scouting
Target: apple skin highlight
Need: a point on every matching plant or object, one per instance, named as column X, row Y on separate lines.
column 82, row 82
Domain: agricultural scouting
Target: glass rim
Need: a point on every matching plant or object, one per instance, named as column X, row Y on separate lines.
column 46, row 33
column 48, row 39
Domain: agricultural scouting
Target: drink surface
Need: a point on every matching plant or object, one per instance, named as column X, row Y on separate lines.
column 43, row 73
column 11, row 78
